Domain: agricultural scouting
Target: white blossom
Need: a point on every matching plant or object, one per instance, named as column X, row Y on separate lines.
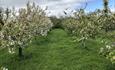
column 101, row 50
column 11, row 50
column 4, row 68
column 108, row 46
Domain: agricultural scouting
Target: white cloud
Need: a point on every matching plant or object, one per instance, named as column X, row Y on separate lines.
column 112, row 9
column 55, row 7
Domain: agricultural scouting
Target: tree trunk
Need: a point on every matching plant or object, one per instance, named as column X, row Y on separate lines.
column 20, row 52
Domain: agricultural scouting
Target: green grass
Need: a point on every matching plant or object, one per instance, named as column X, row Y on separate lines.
column 57, row 51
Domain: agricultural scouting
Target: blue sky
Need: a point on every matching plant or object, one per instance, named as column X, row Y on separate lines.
column 56, row 7
column 98, row 4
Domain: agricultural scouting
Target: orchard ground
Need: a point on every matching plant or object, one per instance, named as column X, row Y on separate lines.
column 57, row 51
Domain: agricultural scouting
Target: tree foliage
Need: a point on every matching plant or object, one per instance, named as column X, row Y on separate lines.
column 18, row 30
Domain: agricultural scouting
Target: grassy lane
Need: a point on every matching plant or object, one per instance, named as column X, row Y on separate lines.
column 57, row 51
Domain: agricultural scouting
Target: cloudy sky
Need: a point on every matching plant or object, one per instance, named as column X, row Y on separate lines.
column 56, row 7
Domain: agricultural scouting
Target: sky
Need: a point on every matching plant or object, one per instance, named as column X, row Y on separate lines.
column 56, row 7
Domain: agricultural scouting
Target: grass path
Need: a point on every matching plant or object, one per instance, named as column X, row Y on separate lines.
column 57, row 51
